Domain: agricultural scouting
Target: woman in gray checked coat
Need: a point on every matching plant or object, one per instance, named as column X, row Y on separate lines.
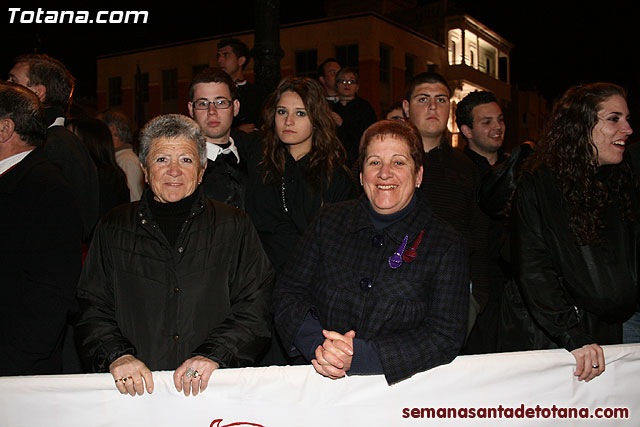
column 378, row 285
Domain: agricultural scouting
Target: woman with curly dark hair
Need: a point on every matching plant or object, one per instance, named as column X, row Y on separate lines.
column 299, row 167
column 575, row 232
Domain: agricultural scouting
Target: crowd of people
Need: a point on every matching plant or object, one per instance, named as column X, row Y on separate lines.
column 295, row 228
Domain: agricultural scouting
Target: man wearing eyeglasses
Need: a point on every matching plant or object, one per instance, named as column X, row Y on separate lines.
column 213, row 103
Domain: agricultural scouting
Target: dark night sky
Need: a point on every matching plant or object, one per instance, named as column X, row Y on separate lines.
column 557, row 43
column 78, row 45
column 560, row 43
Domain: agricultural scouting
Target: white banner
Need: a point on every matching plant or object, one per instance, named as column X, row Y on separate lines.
column 526, row 388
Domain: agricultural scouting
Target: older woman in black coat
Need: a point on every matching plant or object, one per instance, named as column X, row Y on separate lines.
column 377, row 284
column 176, row 280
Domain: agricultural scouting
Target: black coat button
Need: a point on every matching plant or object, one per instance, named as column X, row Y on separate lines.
column 377, row 241
column 365, row 283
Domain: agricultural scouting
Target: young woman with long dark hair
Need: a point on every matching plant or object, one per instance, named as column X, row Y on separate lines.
column 299, row 167
column 575, row 232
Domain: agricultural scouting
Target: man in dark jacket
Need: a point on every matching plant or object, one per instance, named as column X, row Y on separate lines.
column 481, row 124
column 50, row 80
column 450, row 179
column 41, row 250
column 213, row 103
column 233, row 56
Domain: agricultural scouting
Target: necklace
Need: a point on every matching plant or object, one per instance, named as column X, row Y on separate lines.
column 284, row 200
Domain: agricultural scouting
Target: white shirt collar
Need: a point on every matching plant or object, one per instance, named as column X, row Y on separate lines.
column 59, row 121
column 10, row 162
column 214, row 150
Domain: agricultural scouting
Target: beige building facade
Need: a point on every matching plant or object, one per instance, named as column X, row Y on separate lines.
column 385, row 53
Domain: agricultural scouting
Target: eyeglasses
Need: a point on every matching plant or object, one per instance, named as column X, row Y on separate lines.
column 348, row 82
column 219, row 104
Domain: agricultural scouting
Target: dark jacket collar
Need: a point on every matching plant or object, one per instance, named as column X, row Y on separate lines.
column 410, row 225
column 12, row 177
column 51, row 114
column 481, row 160
column 440, row 149
column 444, row 145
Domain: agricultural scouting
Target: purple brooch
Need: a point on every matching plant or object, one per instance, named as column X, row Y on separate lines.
column 395, row 260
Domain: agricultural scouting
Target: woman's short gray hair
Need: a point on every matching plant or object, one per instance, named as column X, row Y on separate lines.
column 172, row 126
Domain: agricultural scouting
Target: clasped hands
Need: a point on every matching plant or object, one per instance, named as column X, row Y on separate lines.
column 334, row 356
column 131, row 375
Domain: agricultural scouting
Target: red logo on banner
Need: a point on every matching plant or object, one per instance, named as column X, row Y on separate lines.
column 216, row 423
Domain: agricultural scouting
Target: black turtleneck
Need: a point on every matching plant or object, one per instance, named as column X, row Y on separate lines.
column 171, row 215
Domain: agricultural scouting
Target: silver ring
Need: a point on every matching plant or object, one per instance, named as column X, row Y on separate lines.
column 191, row 372
column 595, row 366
